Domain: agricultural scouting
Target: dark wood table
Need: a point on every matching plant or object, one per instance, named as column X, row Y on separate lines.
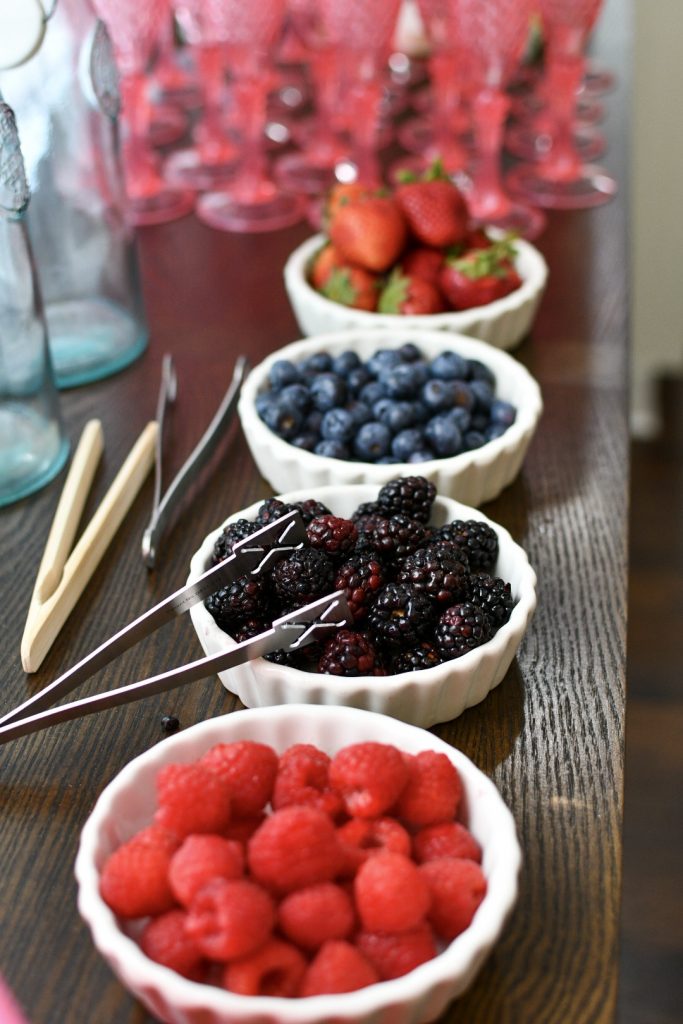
column 551, row 735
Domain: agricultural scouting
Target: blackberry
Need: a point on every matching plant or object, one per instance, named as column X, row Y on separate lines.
column 305, row 659
column 395, row 537
column 232, row 534
column 437, row 572
column 271, row 509
column 400, row 617
column 333, row 535
column 461, row 628
column 409, row 496
column 478, row 540
column 348, row 653
column 361, row 578
column 242, row 599
column 249, row 628
column 311, row 509
column 493, row 595
column 425, row 655
column 366, row 508
column 301, row 578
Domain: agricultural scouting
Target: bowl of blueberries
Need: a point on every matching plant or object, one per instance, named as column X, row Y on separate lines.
column 363, row 406
column 440, row 598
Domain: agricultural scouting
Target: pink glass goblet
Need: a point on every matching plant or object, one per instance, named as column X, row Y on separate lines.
column 173, row 77
column 252, row 201
column 133, row 26
column 561, row 179
column 493, row 35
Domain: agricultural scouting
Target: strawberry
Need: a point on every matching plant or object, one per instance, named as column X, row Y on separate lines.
column 434, row 207
column 409, row 296
column 324, row 262
column 477, row 239
column 480, row 276
column 370, row 232
column 341, row 194
column 423, row 262
column 352, row 286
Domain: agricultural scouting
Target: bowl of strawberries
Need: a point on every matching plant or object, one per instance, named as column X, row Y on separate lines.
column 412, row 257
column 339, row 865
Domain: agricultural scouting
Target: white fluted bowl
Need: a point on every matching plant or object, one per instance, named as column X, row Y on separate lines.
column 424, row 697
column 128, row 802
column 503, row 323
column 472, row 477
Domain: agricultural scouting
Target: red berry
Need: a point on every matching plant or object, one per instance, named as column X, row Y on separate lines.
column 369, row 776
column 191, row 799
column 200, row 859
column 447, row 839
column 409, row 295
column 294, row 847
column 391, row 895
column 399, row 953
column 134, row 879
column 364, row 837
column 432, row 792
column 337, row 967
column 457, row 888
column 303, row 778
column 311, row 916
column 249, row 769
column 274, row 969
column 370, row 232
column 229, row 918
column 242, row 829
column 423, row 262
column 165, row 941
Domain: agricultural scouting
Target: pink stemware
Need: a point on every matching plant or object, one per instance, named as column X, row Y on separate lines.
column 173, row 77
column 493, row 35
column 561, row 179
column 133, row 26
column 251, row 201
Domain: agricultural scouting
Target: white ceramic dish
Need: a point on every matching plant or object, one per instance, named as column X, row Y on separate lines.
column 424, row 697
column 128, row 802
column 503, row 323
column 472, row 477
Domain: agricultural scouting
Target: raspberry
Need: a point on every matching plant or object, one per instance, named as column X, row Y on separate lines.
column 333, row 535
column 369, row 776
column 493, row 595
column 191, row 799
column 315, row 914
column 361, row 578
column 248, row 769
column 294, row 847
column 242, row 829
column 200, row 859
column 348, row 653
column 433, row 791
column 364, row 837
column 414, row 659
column 397, row 954
column 461, row 629
column 274, row 969
column 134, row 879
column 242, row 600
column 337, row 967
column 165, row 941
column 229, row 918
column 232, row 534
column 437, row 572
column 410, row 496
column 477, row 539
column 401, row 617
column 457, row 888
column 390, row 894
column 447, row 839
column 301, row 578
column 303, row 778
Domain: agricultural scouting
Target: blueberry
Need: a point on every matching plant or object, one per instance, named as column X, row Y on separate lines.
column 479, row 421
column 444, row 435
column 332, row 450
column 313, row 421
column 478, row 371
column 285, row 421
column 473, row 439
column 438, row 395
column 406, row 442
column 320, row 362
column 400, row 415
column 263, row 401
column 502, row 413
column 423, row 455
column 327, row 390
column 382, row 359
column 357, row 379
column 372, row 441
column 337, row 425
column 361, row 412
column 372, row 392
column 388, row 460
column 462, row 395
column 449, row 366
column 483, row 395
column 345, row 362
column 306, row 440
column 296, row 395
column 405, row 380
column 494, row 431
column 283, row 372
column 409, row 352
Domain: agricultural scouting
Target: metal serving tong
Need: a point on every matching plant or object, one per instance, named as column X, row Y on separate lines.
column 252, row 555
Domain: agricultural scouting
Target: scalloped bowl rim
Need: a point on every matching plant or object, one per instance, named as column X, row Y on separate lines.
column 451, row 964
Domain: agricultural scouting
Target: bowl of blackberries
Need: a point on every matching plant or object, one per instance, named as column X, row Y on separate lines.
column 365, row 406
column 439, row 597
column 412, row 257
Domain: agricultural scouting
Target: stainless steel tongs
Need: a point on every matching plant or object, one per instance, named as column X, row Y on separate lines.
column 252, row 555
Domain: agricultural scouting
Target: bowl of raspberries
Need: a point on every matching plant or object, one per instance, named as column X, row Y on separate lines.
column 440, row 598
column 412, row 257
column 296, row 865
column 364, row 406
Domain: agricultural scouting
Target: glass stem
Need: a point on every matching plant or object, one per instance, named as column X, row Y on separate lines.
column 562, row 162
column 489, row 109
column 141, row 175
column 213, row 146
column 252, row 181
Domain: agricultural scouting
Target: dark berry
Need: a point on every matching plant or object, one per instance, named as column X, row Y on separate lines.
column 407, row 442
column 424, row 655
column 333, row 450
column 337, row 425
column 438, row 573
column 460, row 629
column 479, row 371
column 319, row 362
column 449, row 366
column 439, row 395
column 310, row 509
column 411, row 496
column 285, row 420
column 400, row 617
column 383, row 359
column 396, row 536
column 502, row 413
column 333, row 535
column 327, row 391
column 232, row 534
column 361, row 578
column 301, row 578
column 348, row 653
column 270, row 510
column 356, row 380
column 367, row 508
column 170, row 724
column 478, row 540
column 493, row 595
column 283, row 372
column 295, row 396
column 409, row 352
column 372, row 441
column 444, row 435
column 372, row 392
column 345, row 362
column 242, row 599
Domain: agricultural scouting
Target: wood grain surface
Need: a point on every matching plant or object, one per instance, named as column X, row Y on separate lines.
column 551, row 735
